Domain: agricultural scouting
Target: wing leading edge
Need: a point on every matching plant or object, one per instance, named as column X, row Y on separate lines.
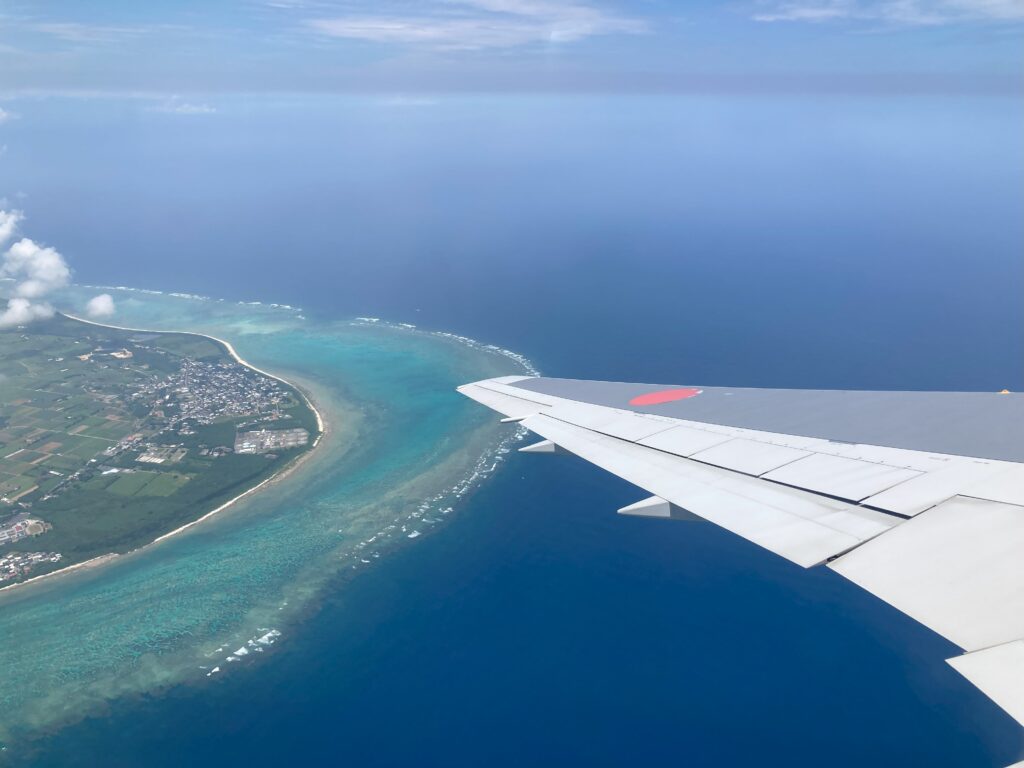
column 916, row 497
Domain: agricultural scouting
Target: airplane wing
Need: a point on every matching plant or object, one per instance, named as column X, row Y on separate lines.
column 918, row 497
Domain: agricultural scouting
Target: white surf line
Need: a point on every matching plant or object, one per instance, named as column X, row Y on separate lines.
column 468, row 341
column 321, row 425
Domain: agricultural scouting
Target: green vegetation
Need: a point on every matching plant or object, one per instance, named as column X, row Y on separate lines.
column 116, row 437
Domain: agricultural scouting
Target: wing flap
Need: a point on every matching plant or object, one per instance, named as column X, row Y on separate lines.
column 799, row 526
column 999, row 673
column 609, row 421
column 928, row 489
column 684, row 441
column 749, row 456
column 1007, row 487
column 956, row 568
column 850, row 479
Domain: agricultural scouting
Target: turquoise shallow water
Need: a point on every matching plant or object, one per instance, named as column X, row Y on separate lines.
column 402, row 448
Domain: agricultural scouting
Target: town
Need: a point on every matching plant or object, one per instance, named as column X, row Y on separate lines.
column 18, row 564
column 199, row 393
column 202, row 392
column 127, row 428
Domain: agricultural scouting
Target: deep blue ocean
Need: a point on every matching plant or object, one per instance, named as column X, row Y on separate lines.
column 754, row 241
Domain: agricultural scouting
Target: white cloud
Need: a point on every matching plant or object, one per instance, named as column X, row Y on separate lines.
column 22, row 311
column 100, row 306
column 9, row 221
column 6, row 115
column 37, row 270
column 806, row 12
column 904, row 12
column 408, row 101
column 175, row 106
column 75, row 32
column 476, row 24
column 992, row 9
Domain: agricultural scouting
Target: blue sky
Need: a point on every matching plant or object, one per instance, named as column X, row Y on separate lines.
column 498, row 45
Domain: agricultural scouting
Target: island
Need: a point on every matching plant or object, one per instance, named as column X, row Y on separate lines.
column 113, row 438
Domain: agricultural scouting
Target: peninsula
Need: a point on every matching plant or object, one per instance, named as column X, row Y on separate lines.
column 112, row 438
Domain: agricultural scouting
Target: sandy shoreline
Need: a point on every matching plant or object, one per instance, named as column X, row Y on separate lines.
column 321, row 424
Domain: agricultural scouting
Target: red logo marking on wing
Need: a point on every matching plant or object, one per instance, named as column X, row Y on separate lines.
column 665, row 396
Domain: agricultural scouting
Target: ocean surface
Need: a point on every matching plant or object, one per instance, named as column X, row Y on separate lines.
column 851, row 242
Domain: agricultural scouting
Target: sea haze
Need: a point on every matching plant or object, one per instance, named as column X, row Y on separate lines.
column 760, row 240
column 851, row 242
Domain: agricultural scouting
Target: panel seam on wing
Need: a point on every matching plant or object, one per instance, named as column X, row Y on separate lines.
column 746, row 496
column 661, row 451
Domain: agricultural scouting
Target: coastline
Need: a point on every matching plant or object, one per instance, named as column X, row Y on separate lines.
column 322, row 427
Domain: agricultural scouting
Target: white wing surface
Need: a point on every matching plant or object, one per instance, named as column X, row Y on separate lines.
column 918, row 497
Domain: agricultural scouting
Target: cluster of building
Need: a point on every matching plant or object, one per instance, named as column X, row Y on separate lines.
column 19, row 527
column 162, row 454
column 266, row 440
column 202, row 392
column 17, row 565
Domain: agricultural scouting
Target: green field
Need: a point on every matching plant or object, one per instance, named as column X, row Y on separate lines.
column 62, row 420
column 141, row 483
